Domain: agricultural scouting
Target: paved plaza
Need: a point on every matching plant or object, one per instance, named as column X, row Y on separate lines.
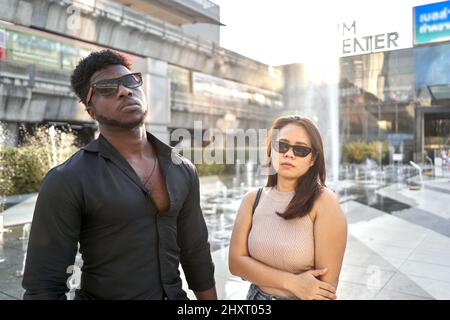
column 398, row 243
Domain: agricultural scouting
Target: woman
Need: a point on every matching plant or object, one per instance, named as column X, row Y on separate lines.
column 292, row 245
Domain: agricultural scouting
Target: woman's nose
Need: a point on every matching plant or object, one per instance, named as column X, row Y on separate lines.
column 290, row 153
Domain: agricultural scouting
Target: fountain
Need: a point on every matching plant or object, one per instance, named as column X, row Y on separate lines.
column 3, row 140
column 2, row 196
column 25, row 236
column 2, row 229
column 50, row 147
column 249, row 174
column 318, row 99
column 224, row 194
column 1, row 248
column 414, row 185
column 52, row 134
column 370, row 174
column 218, row 185
column 235, row 183
column 430, row 165
column 242, row 189
column 334, row 115
column 237, row 167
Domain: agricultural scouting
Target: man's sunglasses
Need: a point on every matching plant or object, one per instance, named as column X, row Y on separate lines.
column 109, row 87
column 283, row 147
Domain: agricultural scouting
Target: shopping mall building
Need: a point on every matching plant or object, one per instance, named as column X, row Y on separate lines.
column 395, row 84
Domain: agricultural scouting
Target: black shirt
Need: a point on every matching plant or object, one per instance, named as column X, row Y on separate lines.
column 129, row 249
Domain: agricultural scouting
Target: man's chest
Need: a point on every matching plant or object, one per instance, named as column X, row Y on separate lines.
column 113, row 194
column 154, row 182
column 157, row 190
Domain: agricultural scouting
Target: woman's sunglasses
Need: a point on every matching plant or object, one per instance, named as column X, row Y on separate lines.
column 283, row 147
column 109, row 87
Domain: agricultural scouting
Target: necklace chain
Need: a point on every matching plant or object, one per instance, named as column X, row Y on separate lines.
column 151, row 173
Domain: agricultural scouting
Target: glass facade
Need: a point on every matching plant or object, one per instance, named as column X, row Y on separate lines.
column 210, row 86
column 22, row 44
column 201, row 84
column 389, row 97
column 180, row 79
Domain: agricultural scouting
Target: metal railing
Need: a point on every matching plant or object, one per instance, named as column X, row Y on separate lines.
column 33, row 76
column 145, row 23
column 180, row 101
column 205, row 7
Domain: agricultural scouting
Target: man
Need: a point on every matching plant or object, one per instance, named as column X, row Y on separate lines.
column 131, row 203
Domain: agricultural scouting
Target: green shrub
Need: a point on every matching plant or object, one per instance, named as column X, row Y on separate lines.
column 24, row 167
column 355, row 152
column 358, row 151
column 211, row 169
column 220, row 168
column 374, row 149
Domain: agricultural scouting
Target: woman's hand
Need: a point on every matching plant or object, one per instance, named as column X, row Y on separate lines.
column 306, row 286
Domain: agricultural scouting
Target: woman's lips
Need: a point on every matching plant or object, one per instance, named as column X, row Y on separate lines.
column 287, row 165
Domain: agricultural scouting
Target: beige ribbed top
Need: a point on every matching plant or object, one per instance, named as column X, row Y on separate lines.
column 282, row 244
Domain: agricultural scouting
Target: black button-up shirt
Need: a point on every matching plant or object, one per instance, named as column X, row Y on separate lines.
column 129, row 249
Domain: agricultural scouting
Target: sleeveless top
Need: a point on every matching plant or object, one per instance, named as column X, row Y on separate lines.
column 286, row 245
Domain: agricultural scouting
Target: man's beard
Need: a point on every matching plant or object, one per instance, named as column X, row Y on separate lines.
column 119, row 124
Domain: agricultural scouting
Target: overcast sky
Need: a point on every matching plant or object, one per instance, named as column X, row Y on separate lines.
column 287, row 31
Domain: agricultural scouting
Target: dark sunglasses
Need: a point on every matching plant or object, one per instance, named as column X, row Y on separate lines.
column 283, row 147
column 109, row 87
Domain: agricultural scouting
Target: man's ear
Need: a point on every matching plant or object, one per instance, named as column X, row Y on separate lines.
column 91, row 111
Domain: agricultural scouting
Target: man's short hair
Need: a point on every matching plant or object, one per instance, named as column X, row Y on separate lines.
column 81, row 76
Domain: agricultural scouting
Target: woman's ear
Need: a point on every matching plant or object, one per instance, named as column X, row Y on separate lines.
column 313, row 160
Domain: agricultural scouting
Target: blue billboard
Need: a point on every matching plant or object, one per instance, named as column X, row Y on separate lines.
column 432, row 23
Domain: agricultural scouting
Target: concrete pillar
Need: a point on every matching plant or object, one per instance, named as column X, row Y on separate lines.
column 419, row 135
column 156, row 88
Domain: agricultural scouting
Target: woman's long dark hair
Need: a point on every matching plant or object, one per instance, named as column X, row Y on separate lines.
column 309, row 186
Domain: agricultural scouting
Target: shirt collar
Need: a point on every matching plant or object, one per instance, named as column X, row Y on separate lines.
column 106, row 150
column 102, row 146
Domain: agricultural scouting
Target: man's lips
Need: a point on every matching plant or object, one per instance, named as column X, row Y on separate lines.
column 129, row 104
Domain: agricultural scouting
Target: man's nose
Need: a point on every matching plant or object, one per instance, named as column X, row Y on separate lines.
column 124, row 91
